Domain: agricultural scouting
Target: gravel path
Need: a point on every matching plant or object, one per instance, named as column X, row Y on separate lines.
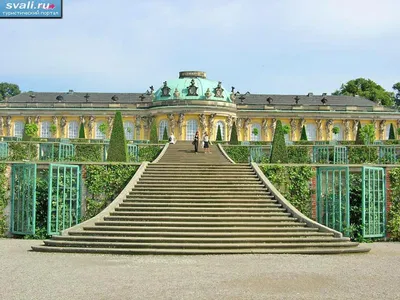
column 32, row 275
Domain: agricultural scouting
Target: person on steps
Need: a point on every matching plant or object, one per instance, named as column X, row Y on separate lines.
column 196, row 142
column 206, row 140
column 172, row 139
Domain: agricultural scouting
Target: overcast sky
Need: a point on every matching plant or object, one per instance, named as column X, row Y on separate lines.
column 270, row 46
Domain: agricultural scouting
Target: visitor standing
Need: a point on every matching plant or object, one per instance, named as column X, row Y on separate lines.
column 172, row 139
column 196, row 142
column 206, row 140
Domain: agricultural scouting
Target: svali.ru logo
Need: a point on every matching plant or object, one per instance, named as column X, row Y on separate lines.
column 30, row 5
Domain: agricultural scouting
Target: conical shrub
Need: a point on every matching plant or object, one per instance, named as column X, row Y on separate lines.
column 165, row 134
column 219, row 135
column 359, row 138
column 279, row 151
column 234, row 136
column 118, row 150
column 153, row 133
column 82, row 131
column 391, row 132
column 303, row 134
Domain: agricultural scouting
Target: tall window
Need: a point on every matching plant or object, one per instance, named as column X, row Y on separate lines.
column 311, row 131
column 338, row 136
column 287, row 136
column 73, row 130
column 222, row 126
column 99, row 135
column 18, row 129
column 255, row 132
column 388, row 131
column 191, row 128
column 129, row 130
column 45, row 129
column 161, row 128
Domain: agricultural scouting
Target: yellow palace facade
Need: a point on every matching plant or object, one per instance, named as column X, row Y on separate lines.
column 192, row 102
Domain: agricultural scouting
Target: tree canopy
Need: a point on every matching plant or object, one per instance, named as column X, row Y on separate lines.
column 396, row 87
column 8, row 90
column 368, row 89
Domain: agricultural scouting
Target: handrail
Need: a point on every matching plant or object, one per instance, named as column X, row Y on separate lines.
column 289, row 207
column 161, row 154
column 225, row 154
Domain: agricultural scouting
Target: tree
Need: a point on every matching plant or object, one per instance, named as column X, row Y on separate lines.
column 335, row 130
column 219, row 135
column 396, row 87
column 82, row 131
column 279, row 151
column 30, row 131
column 8, row 90
column 359, row 139
column 391, row 132
column 153, row 133
column 303, row 134
column 368, row 134
column 118, row 150
column 368, row 89
column 234, row 137
column 165, row 134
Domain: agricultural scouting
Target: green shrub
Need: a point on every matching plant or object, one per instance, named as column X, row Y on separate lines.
column 88, row 152
column 3, row 199
column 30, row 131
column 23, row 151
column 359, row 138
column 118, row 150
column 363, row 154
column 391, row 132
column 279, row 151
column 368, row 134
column 165, row 134
column 82, row 131
column 239, row 154
column 219, row 135
column 148, row 153
column 153, row 133
column 303, row 134
column 299, row 154
column 234, row 137
column 294, row 183
column 393, row 225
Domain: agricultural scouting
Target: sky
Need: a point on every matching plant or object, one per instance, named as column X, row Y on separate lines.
column 260, row 46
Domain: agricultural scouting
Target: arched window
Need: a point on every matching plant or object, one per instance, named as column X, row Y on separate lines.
column 99, row 135
column 222, row 126
column 18, row 129
column 161, row 127
column 338, row 136
column 287, row 136
column 73, row 130
column 129, row 130
column 311, row 131
column 255, row 133
column 45, row 129
column 191, row 128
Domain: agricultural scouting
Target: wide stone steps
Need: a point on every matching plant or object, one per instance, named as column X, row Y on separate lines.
column 187, row 245
column 162, row 210
column 202, row 214
column 187, row 218
column 199, row 204
column 295, row 228
column 200, row 240
column 185, row 223
column 244, row 234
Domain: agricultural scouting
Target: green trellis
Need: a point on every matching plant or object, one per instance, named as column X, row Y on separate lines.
column 387, row 154
column 321, row 154
column 66, row 151
column 64, row 201
column 23, row 199
column 340, row 155
column 133, row 152
column 333, row 197
column 373, row 202
column 3, row 150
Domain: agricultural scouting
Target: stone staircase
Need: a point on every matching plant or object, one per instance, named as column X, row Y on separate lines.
column 191, row 203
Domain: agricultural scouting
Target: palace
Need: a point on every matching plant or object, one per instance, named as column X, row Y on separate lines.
column 193, row 102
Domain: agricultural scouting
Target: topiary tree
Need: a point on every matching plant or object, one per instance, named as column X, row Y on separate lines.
column 219, row 135
column 30, row 131
column 368, row 134
column 165, row 134
column 82, row 131
column 391, row 132
column 234, row 137
column 153, row 133
column 359, row 139
column 118, row 150
column 279, row 151
column 303, row 134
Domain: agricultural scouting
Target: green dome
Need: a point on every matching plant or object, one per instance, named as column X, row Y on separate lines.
column 192, row 85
